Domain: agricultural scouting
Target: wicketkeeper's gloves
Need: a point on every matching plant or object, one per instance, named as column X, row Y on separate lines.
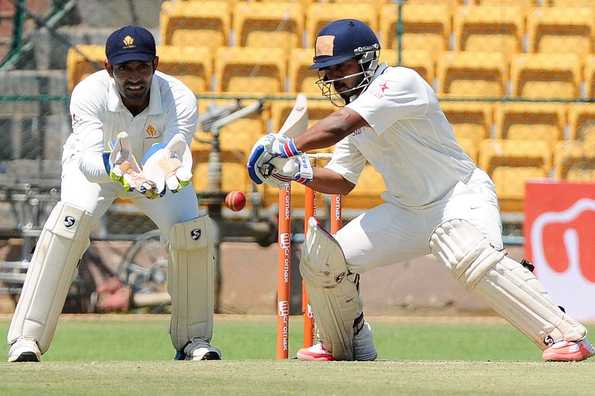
column 169, row 165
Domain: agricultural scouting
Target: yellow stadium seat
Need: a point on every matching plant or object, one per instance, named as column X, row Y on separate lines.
column 301, row 77
column 521, row 3
column 546, row 76
column 469, row 147
column 560, row 30
column 590, row 76
column 419, row 60
column 241, row 134
column 511, row 164
column 474, row 74
column 426, row 27
column 366, row 193
column 497, row 28
column 268, row 25
column 581, row 119
column 470, row 121
column 233, row 172
column 193, row 23
column 574, row 162
column 319, row 109
column 531, row 121
column 571, row 3
column 192, row 65
column 320, row 14
column 250, row 70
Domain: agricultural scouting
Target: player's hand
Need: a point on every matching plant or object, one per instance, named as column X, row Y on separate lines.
column 169, row 166
column 278, row 171
column 124, row 169
column 268, row 147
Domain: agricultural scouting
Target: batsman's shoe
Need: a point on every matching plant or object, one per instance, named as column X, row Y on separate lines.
column 315, row 353
column 569, row 351
column 198, row 349
column 363, row 344
column 24, row 350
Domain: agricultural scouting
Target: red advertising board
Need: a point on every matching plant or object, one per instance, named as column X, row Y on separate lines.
column 559, row 234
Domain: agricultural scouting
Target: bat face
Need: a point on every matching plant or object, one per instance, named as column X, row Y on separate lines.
column 297, row 121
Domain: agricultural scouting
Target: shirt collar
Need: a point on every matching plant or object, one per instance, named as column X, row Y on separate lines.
column 114, row 103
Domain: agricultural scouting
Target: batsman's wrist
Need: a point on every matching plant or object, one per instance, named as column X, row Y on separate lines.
column 290, row 149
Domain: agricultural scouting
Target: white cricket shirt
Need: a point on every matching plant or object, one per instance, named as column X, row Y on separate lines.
column 409, row 141
column 98, row 115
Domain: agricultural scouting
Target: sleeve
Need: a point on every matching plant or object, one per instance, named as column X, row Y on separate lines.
column 184, row 116
column 347, row 160
column 87, row 127
column 394, row 95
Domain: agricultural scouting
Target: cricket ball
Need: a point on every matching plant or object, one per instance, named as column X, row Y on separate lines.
column 235, row 200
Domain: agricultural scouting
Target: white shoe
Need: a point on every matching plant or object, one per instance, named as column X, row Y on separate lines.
column 24, row 350
column 199, row 349
column 363, row 344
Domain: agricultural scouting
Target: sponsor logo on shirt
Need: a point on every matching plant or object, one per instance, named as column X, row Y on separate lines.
column 151, row 131
column 379, row 91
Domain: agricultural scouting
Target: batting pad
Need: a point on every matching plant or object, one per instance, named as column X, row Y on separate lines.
column 332, row 291
column 509, row 288
column 191, row 278
column 64, row 238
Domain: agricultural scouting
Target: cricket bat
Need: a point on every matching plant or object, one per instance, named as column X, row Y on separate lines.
column 297, row 121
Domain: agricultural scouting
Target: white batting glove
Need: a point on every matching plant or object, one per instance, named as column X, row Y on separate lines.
column 284, row 170
column 124, row 169
column 169, row 166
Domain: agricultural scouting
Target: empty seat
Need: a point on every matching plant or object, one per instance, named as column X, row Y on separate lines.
column 471, row 122
column 268, row 25
column 531, row 121
column 525, row 4
column 469, row 147
column 195, row 23
column 233, row 172
column 560, row 30
column 86, row 60
column 425, row 27
column 366, row 193
column 474, row 74
column 571, row 3
column 581, row 119
column 192, row 65
column 546, row 75
column 250, row 70
column 511, row 164
column 419, row 60
column 590, row 76
column 320, row 14
column 497, row 28
column 301, row 77
column 574, row 162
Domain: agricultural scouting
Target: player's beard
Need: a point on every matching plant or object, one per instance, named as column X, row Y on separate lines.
column 340, row 87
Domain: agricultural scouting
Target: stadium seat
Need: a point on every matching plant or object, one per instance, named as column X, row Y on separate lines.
column 301, row 77
column 470, row 148
column 560, row 30
column 419, row 60
column 573, row 162
column 471, row 122
column 581, row 119
column 268, row 25
column 426, row 27
column 531, row 121
column 250, row 70
column 571, row 3
column 590, row 76
column 366, row 193
column 525, row 4
column 320, row 14
column 233, row 172
column 497, row 28
column 203, row 24
column 192, row 65
column 546, row 76
column 471, row 74
column 511, row 164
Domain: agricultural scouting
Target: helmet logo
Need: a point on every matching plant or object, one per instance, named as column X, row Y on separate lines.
column 325, row 45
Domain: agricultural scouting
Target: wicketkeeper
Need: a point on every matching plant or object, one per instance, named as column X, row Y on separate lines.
column 437, row 202
column 131, row 126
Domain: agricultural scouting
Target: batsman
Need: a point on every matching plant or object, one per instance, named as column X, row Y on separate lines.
column 437, row 202
column 131, row 126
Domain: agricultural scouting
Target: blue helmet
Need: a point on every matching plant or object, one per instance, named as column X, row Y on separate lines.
column 342, row 40
column 338, row 42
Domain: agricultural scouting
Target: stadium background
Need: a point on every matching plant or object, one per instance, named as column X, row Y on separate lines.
column 516, row 79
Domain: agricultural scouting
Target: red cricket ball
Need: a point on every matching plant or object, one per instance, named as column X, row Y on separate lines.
column 235, row 200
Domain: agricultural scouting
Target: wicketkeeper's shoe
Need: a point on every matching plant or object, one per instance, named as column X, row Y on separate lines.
column 569, row 351
column 315, row 353
column 24, row 350
column 198, row 349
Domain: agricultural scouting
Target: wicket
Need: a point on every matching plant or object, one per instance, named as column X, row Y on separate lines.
column 284, row 238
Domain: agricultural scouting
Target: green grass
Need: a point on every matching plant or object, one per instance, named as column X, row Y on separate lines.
column 128, row 355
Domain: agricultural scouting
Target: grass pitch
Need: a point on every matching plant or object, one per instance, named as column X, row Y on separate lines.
column 131, row 355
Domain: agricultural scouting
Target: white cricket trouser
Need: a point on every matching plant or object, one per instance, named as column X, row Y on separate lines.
column 96, row 199
column 388, row 234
